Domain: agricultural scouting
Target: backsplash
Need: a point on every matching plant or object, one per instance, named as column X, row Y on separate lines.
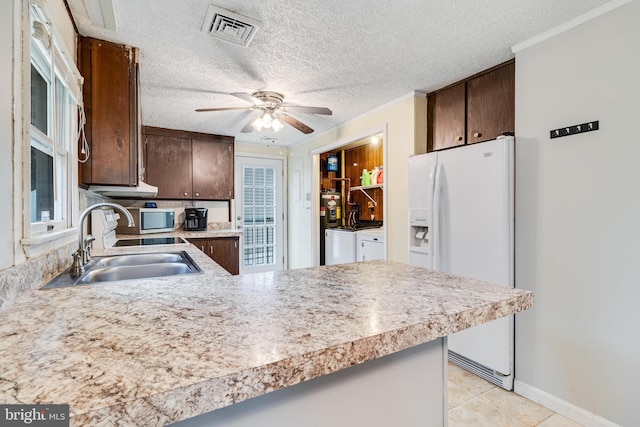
column 89, row 198
column 33, row 273
column 217, row 217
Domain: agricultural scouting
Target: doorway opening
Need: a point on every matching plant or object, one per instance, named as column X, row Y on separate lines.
column 348, row 194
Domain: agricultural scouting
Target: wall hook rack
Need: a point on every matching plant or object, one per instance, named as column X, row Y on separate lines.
column 575, row 129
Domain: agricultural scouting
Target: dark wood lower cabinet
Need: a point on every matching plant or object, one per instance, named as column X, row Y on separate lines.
column 223, row 250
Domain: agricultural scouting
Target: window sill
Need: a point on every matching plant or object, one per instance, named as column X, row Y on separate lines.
column 41, row 243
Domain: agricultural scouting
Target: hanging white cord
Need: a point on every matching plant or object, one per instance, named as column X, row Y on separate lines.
column 84, row 147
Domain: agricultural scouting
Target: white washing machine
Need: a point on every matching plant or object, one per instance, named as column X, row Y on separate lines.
column 370, row 244
column 340, row 246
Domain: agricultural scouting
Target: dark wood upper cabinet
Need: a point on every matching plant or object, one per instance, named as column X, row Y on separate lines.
column 189, row 165
column 476, row 109
column 447, row 110
column 110, row 100
column 491, row 104
column 212, row 169
column 169, row 166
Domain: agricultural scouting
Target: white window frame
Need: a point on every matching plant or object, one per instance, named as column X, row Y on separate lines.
column 50, row 59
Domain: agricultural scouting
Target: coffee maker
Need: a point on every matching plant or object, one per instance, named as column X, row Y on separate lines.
column 195, row 219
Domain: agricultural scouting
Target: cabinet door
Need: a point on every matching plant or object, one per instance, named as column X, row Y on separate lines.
column 370, row 250
column 110, row 106
column 491, row 104
column 200, row 244
column 225, row 251
column 168, row 166
column 447, row 110
column 212, row 170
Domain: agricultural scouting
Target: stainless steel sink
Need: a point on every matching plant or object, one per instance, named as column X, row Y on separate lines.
column 128, row 272
column 129, row 267
column 139, row 259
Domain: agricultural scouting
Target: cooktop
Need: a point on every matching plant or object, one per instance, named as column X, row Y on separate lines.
column 143, row 241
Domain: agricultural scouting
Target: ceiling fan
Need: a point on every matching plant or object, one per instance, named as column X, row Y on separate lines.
column 272, row 111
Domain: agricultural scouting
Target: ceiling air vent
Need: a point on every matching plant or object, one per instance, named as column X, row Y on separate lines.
column 228, row 26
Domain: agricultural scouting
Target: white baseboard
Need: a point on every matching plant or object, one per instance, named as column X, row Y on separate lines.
column 560, row 406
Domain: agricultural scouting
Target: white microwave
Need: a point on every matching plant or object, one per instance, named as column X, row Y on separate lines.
column 148, row 220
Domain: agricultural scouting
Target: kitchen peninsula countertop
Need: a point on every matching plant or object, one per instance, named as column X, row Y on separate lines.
column 206, row 234
column 154, row 351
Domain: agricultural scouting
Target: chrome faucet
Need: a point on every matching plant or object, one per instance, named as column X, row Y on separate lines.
column 82, row 256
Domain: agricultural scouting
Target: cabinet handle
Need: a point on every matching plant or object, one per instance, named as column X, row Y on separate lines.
column 186, row 194
column 235, row 244
column 458, row 138
column 197, row 194
column 477, row 134
column 211, row 250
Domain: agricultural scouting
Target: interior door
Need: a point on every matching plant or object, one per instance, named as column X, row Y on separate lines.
column 259, row 213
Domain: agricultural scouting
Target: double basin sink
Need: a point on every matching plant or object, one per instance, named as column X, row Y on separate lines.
column 129, row 266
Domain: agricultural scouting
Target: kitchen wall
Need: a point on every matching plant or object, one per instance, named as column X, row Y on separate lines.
column 404, row 119
column 272, row 149
column 577, row 220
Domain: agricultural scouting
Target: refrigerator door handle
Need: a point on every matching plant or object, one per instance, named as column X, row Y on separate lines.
column 437, row 196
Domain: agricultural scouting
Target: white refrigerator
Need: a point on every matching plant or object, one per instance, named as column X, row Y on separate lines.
column 461, row 221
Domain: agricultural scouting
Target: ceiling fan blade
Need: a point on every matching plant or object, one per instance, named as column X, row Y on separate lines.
column 223, row 109
column 295, row 123
column 247, row 97
column 312, row 110
column 248, row 128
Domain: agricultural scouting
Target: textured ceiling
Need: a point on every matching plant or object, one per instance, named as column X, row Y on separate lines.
column 349, row 56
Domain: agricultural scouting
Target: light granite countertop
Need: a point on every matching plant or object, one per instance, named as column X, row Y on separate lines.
column 207, row 234
column 155, row 351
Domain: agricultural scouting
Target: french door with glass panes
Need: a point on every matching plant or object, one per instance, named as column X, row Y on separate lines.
column 259, row 213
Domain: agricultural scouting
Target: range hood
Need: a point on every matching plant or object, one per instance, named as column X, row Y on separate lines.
column 141, row 190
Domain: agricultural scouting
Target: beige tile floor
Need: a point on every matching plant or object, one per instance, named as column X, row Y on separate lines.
column 474, row 402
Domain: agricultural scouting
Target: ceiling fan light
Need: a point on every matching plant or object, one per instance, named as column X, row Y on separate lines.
column 257, row 124
column 267, row 120
column 277, row 125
